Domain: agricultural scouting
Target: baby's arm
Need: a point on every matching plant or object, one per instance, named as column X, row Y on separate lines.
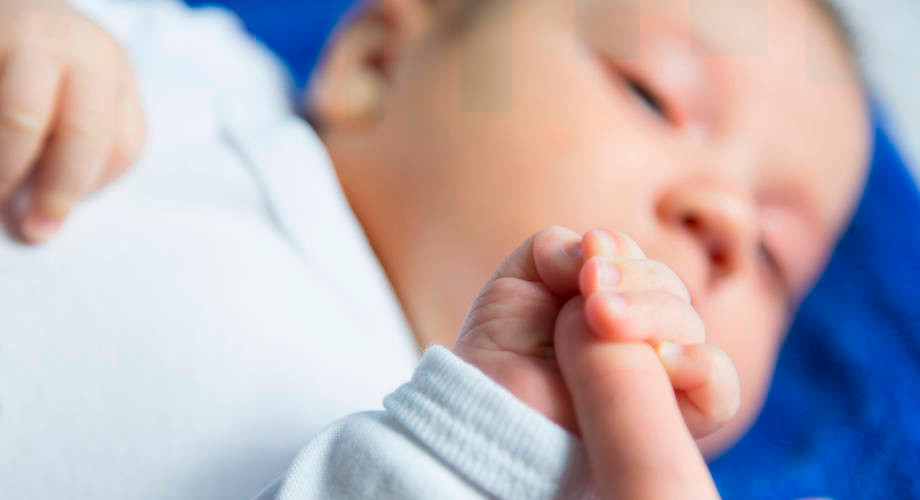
column 450, row 433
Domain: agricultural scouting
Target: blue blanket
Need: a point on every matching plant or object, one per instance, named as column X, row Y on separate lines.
column 842, row 418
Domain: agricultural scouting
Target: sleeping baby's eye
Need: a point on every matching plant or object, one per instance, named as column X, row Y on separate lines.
column 648, row 98
column 773, row 267
column 768, row 259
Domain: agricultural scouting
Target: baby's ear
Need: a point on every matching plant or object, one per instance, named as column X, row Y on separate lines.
column 349, row 84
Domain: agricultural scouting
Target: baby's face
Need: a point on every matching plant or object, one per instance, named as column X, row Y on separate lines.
column 728, row 138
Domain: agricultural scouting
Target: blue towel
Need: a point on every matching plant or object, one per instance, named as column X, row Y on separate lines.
column 842, row 418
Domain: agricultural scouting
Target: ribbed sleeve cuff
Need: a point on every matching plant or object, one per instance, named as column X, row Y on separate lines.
column 485, row 433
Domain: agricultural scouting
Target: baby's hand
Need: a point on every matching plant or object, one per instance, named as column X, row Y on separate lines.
column 70, row 117
column 625, row 352
column 508, row 332
column 630, row 298
column 515, row 323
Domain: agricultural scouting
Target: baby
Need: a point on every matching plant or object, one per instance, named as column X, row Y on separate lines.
column 727, row 139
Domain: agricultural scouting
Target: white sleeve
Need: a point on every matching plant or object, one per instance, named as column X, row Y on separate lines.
column 450, row 433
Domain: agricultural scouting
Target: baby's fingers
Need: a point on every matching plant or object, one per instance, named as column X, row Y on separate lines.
column 637, row 444
column 29, row 85
column 707, row 385
column 644, row 316
column 704, row 377
column 607, row 243
column 79, row 148
column 624, row 275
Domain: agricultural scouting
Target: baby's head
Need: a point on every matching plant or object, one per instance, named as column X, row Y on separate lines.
column 729, row 138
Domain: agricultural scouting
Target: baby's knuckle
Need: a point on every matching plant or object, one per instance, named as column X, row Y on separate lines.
column 505, row 287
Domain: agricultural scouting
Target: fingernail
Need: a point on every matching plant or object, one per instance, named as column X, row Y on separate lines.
column 608, row 275
column 572, row 250
column 37, row 228
column 670, row 354
column 607, row 243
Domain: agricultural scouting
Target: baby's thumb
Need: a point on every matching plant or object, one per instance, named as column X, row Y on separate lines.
column 551, row 257
column 637, row 443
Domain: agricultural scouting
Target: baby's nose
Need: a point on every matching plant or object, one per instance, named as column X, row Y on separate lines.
column 722, row 222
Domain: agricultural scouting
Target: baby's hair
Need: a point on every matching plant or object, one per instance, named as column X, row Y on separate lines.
column 841, row 27
column 458, row 15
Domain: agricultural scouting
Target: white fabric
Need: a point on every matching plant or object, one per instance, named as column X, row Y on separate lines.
column 195, row 324
column 450, row 433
